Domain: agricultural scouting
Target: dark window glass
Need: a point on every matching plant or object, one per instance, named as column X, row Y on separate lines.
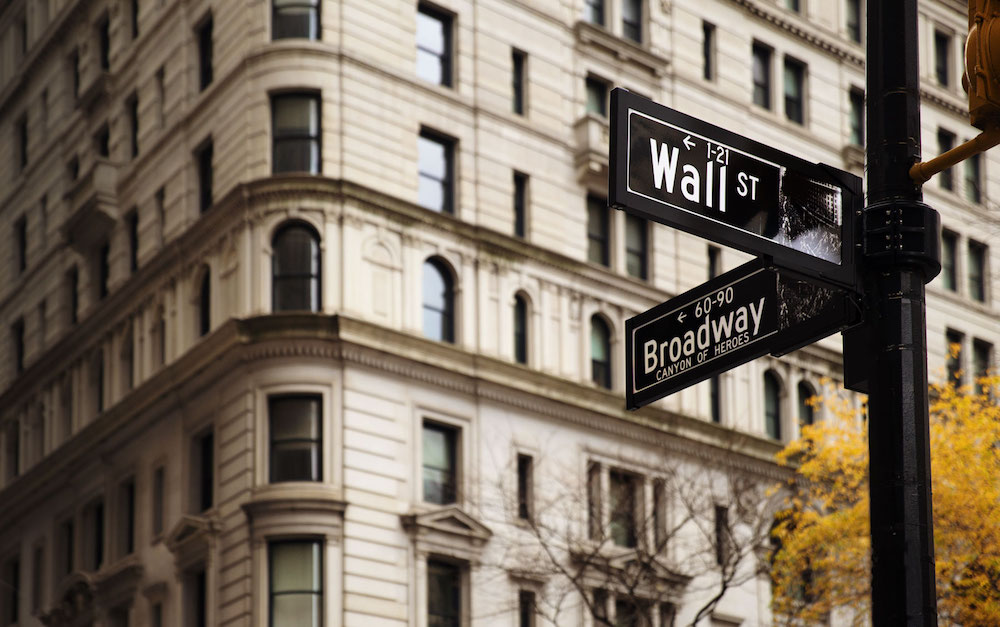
column 94, row 517
column 772, row 406
column 102, row 142
column 196, row 599
column 37, row 576
column 942, row 58
column 204, row 471
column 204, row 159
column 598, row 248
column 946, row 141
column 982, row 358
column 67, row 545
column 73, row 169
column 438, row 302
column 806, row 410
column 159, row 477
column 973, row 179
column 526, row 608
column 440, row 464
column 953, row 362
column 127, row 513
column 134, row 18
column 295, row 124
column 977, row 271
column 601, row 604
column 205, row 303
column 857, row 98
column 949, row 246
column 132, row 106
column 133, row 240
column 597, row 96
column 517, row 81
column 156, row 615
column 103, row 269
column 715, row 398
column 295, row 430
column 436, row 187
column 594, row 11
column 600, row 352
column 520, row 330
column 11, row 587
column 659, row 516
column 632, row 20
column 854, row 20
column 762, row 76
column 97, row 381
column 104, row 42
column 17, row 337
column 520, row 204
column 22, row 142
column 204, row 36
column 74, row 69
column 295, row 18
column 73, row 284
column 295, row 269
column 525, row 486
column 794, row 91
column 708, row 51
column 21, row 243
column 714, row 261
column 636, row 256
column 295, row 584
column 792, row 5
column 722, row 541
column 444, row 594
column 622, row 506
column 12, row 452
column 594, row 500
column 434, row 46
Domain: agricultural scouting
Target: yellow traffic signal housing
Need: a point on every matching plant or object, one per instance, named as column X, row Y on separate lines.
column 982, row 63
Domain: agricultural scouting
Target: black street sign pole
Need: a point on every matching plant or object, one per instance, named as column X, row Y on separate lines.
column 901, row 252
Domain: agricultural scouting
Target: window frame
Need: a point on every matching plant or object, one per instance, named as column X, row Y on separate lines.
column 632, row 30
column 949, row 260
column 641, row 253
column 316, row 443
column 315, row 280
column 448, row 313
column 315, row 15
column 460, row 572
column 972, row 179
column 806, row 412
column 201, row 477
column 856, row 116
column 525, row 487
column 977, row 271
column 452, row 486
column 595, row 12
column 314, row 138
column 596, row 94
column 599, row 234
column 795, row 106
column 204, row 155
column 954, row 368
column 708, row 51
column 522, row 314
column 773, row 416
column 762, row 55
column 204, row 39
column 446, row 56
column 853, row 22
column 447, row 184
column 521, row 182
column 602, row 378
column 317, row 545
column 946, row 141
column 942, row 58
column 519, row 82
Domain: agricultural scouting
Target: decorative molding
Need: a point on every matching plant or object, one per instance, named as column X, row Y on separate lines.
column 448, row 532
column 951, row 105
column 854, row 57
column 592, row 37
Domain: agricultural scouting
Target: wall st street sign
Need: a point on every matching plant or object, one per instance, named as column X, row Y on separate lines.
column 748, row 312
column 680, row 171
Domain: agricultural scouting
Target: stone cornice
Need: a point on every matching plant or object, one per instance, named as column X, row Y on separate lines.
column 598, row 38
column 853, row 54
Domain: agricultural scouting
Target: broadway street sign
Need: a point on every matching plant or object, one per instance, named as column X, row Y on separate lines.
column 691, row 175
column 748, row 312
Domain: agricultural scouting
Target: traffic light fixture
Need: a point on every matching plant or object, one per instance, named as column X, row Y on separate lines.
column 982, row 63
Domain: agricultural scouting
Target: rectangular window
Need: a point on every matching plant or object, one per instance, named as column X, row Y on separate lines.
column 708, row 51
column 946, row 141
column 761, row 75
column 444, row 594
column 857, row 101
column 203, row 471
column 196, row 598
column 594, row 525
column 518, row 61
column 623, row 503
column 158, row 493
column 632, row 20
column 11, row 588
column 103, row 269
column 295, row 129
column 520, row 204
column 594, row 11
column 659, row 515
column 132, row 112
column 93, row 534
column 21, row 243
column 440, row 463
column 102, row 141
column 982, row 358
column 526, row 608
column 953, row 349
column 126, row 517
column 133, row 15
column 942, row 58
column 161, row 96
column 203, row 158
column 66, row 541
column 160, row 200
column 722, row 538
column 714, row 261
column 297, row 19
column 973, row 179
column 434, row 29
column 73, row 294
column 295, row 583
column 12, row 450
column 74, row 71
column 104, row 42
column 294, row 424
column 598, row 249
column 132, row 222
column 597, row 96
column 203, row 34
column 853, row 21
column 949, row 246
column 793, row 5
column 977, row 271
column 156, row 615
column 22, row 142
column 436, row 186
column 525, row 486
column 795, row 73
column 17, row 340
column 636, row 256
column 715, row 399
column 37, row 578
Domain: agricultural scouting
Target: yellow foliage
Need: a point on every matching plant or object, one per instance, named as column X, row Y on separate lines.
column 822, row 562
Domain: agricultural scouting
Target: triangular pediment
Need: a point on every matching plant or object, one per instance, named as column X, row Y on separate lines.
column 187, row 529
column 448, row 521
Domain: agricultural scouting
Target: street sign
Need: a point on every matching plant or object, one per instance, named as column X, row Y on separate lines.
column 748, row 312
column 680, row 171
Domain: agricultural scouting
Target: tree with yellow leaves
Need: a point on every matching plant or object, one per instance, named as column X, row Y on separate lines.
column 821, row 558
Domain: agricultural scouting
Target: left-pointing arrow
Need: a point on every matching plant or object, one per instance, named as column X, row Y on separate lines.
column 681, row 317
column 688, row 143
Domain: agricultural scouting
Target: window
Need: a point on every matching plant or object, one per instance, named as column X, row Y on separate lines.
column 42, row 322
column 625, row 500
column 973, row 179
column 525, row 486
column 982, row 358
column 632, row 20
column 73, row 168
column 636, row 257
column 22, row 142
column 793, row 5
column 196, row 598
column 126, row 517
column 161, row 96
column 97, row 381
column 37, row 577
column 526, row 608
column 854, row 20
column 134, row 18
column 520, row 329
column 794, row 91
column 772, row 406
column 132, row 223
column 946, row 141
column 12, row 450
column 942, row 58
column 74, row 70
column 159, row 337
column 600, row 352
column 722, row 537
column 857, row 103
column 715, row 399
column 520, row 204
column 806, row 410
column 296, row 438
column 203, row 158
column 953, row 349
column 72, row 287
column 66, row 541
column 156, row 615
column 708, row 51
column 977, row 271
column 295, row 124
column 295, row 583
column 10, row 585
column 132, row 112
column 158, row 493
column 949, row 273
column 518, row 60
column 93, row 534
column 597, row 96
column 21, row 243
column 444, row 594
column 203, row 34
column 102, row 142
column 295, row 268
column 761, row 75
column 103, row 269
column 160, row 200
column 295, row 19
column 434, row 45
column 17, row 339
column 438, row 299
column 203, row 471
column 440, row 463
column 594, row 11
column 659, row 516
column 594, row 501
column 104, row 42
column 436, row 187
column 714, row 261
column 598, row 241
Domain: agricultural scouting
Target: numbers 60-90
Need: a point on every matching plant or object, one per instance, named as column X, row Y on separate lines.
column 704, row 306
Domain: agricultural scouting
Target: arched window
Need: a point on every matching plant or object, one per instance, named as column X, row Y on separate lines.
column 772, row 405
column 295, row 269
column 205, row 303
column 520, row 329
column 600, row 352
column 439, row 302
column 806, row 411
